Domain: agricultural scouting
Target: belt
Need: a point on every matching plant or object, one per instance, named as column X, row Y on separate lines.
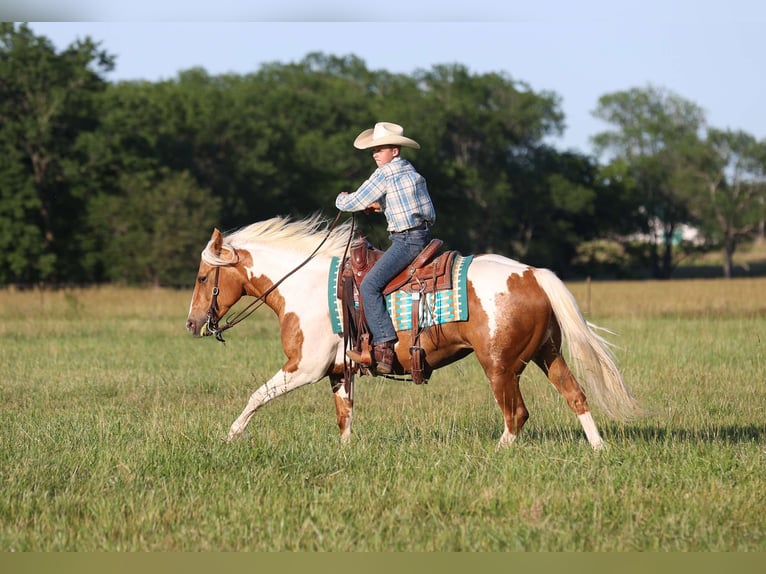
column 422, row 227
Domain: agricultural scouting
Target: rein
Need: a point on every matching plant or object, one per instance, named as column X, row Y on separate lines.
column 211, row 327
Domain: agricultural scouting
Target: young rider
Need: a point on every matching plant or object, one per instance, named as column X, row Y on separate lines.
column 397, row 190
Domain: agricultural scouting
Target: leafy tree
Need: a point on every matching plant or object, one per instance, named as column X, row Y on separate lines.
column 315, row 108
column 573, row 204
column 734, row 176
column 154, row 230
column 274, row 142
column 480, row 132
column 153, row 211
column 122, row 182
column 22, row 247
column 654, row 130
column 47, row 100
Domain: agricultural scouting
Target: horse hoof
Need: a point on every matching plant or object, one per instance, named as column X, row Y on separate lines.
column 234, row 435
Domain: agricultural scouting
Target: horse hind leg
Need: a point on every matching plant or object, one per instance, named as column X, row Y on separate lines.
column 515, row 413
column 505, row 388
column 552, row 363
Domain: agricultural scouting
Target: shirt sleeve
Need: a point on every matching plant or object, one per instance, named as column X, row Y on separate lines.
column 371, row 190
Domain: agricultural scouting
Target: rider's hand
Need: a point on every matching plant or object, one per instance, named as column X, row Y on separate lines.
column 374, row 207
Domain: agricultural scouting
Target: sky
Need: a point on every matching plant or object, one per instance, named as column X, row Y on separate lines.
column 710, row 52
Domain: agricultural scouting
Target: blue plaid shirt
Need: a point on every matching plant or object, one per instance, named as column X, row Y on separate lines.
column 401, row 192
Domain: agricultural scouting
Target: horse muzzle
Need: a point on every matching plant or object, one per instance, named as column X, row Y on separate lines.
column 194, row 327
column 200, row 327
column 205, row 329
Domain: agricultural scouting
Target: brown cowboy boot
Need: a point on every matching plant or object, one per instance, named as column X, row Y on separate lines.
column 384, row 357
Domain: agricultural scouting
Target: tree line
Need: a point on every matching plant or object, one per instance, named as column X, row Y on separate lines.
column 123, row 181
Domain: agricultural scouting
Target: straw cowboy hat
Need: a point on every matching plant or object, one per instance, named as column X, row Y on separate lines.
column 384, row 133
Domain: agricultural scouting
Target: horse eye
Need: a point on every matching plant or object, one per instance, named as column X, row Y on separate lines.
column 202, row 278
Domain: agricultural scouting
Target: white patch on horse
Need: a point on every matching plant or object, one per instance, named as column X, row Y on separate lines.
column 589, row 426
column 250, row 272
column 314, row 319
column 507, row 439
column 489, row 276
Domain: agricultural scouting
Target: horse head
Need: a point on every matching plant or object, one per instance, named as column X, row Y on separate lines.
column 219, row 285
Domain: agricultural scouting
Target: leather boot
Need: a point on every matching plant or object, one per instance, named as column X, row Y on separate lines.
column 384, row 357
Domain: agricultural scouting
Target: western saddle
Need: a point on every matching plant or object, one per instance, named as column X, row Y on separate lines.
column 428, row 272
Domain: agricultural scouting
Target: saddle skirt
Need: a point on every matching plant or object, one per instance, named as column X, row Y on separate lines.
column 439, row 282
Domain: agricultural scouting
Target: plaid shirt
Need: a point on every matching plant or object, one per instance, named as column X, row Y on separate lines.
column 401, row 192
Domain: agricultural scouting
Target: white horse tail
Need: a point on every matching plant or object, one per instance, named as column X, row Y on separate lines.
column 590, row 354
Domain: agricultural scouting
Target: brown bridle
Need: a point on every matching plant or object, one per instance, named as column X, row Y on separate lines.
column 211, row 326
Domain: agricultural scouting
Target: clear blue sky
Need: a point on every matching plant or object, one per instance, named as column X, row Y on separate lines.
column 710, row 52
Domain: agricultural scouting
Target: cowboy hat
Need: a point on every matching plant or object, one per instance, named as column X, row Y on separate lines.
column 384, row 133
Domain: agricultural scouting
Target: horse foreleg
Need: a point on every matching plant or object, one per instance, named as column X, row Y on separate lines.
column 282, row 382
column 344, row 407
column 559, row 374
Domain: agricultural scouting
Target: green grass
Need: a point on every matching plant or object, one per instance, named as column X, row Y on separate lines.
column 113, row 420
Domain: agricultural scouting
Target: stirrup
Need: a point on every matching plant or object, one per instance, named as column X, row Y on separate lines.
column 363, row 356
column 358, row 357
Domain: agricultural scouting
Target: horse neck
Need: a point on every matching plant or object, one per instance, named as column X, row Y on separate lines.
column 297, row 286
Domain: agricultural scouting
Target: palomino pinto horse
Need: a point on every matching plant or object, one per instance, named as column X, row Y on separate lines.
column 516, row 314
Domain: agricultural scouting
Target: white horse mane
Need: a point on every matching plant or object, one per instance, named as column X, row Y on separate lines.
column 302, row 236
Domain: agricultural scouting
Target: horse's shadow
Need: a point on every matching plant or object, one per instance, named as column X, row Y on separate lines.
column 728, row 434
column 611, row 431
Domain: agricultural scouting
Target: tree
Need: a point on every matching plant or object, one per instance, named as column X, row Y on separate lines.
column 274, row 142
column 47, row 100
column 575, row 203
column 734, row 176
column 481, row 133
column 151, row 215
column 89, row 171
column 654, row 131
column 315, row 108
column 154, row 230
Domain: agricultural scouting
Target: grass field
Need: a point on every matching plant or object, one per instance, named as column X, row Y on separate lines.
column 113, row 420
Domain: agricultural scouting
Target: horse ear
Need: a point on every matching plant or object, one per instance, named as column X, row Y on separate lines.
column 216, row 246
column 216, row 242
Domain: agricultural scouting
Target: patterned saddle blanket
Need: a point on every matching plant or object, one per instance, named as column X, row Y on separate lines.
column 435, row 308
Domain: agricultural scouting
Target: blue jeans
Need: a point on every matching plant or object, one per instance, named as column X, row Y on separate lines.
column 404, row 248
